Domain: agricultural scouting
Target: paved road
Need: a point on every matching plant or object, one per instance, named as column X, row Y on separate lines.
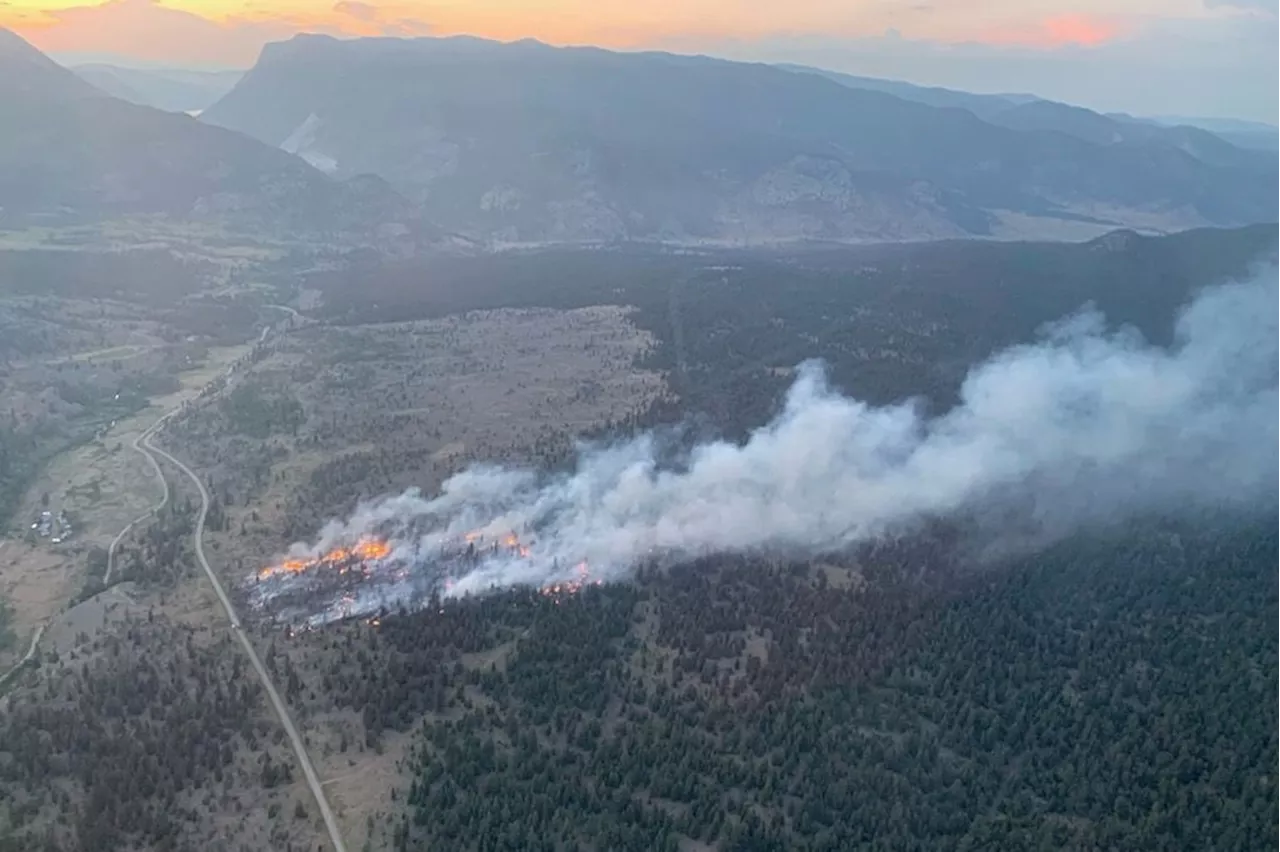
column 299, row 749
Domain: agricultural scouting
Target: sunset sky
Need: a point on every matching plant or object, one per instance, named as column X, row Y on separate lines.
column 1199, row 57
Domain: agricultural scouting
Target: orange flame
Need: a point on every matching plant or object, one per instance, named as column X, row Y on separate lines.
column 365, row 549
column 570, row 587
column 371, row 549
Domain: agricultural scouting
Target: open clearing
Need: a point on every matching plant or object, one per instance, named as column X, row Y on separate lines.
column 103, row 484
column 326, row 416
column 231, row 810
column 368, row 410
column 336, row 414
column 111, row 353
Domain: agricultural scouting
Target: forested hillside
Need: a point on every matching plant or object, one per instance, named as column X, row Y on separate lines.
column 1113, row 692
column 890, row 321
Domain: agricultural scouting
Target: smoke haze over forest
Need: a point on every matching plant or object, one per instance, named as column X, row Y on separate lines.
column 1086, row 425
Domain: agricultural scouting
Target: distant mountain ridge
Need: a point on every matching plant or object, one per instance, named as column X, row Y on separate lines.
column 980, row 105
column 1046, row 114
column 1243, row 134
column 169, row 89
column 1201, row 138
column 71, row 153
column 522, row 142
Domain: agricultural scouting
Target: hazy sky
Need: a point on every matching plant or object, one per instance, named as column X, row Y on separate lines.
column 1190, row 57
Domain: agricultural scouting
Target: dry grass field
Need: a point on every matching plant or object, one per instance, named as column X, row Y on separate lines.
column 333, row 415
column 102, row 483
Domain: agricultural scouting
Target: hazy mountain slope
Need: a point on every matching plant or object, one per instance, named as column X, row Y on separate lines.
column 937, row 96
column 1107, row 130
column 171, row 89
column 1254, row 135
column 524, row 142
column 1254, row 140
column 73, row 153
column 105, row 79
column 1212, row 144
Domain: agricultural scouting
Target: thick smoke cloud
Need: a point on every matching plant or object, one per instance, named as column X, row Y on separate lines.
column 1085, row 425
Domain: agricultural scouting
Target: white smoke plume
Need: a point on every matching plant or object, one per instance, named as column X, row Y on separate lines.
column 1083, row 425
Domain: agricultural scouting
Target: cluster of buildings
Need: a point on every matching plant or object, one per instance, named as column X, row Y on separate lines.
column 57, row 530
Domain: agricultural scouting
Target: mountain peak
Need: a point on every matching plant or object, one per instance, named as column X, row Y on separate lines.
column 14, row 46
column 70, row 151
column 15, row 49
column 26, row 72
column 9, row 40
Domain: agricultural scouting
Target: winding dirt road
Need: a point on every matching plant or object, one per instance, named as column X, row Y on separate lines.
column 26, row 658
column 299, row 749
column 164, row 499
column 144, row 446
column 155, row 466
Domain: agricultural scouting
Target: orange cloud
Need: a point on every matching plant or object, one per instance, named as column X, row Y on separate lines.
column 148, row 30
column 233, row 31
column 1059, row 31
column 154, row 31
column 1074, row 29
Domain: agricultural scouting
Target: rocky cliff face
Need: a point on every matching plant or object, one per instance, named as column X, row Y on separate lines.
column 523, row 142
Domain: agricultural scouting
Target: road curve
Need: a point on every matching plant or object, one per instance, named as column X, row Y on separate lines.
column 155, row 466
column 111, row 549
column 26, row 658
column 164, row 499
column 292, row 312
column 299, row 749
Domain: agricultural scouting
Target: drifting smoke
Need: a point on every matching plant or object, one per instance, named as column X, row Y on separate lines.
column 1086, row 425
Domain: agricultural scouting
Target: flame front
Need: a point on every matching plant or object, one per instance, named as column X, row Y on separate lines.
column 366, row 549
column 580, row 580
column 353, row 558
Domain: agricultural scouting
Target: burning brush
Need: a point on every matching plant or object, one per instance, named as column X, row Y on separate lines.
column 364, row 550
column 375, row 574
